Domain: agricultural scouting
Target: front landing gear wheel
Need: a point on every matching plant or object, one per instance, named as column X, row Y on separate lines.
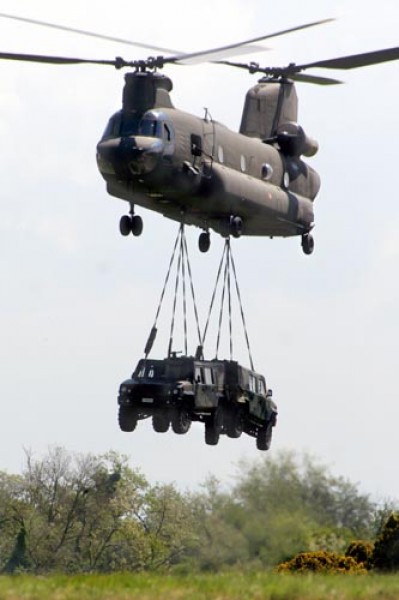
column 204, row 241
column 137, row 225
column 125, row 225
column 307, row 243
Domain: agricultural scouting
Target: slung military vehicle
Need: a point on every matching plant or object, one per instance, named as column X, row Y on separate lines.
column 195, row 170
column 227, row 398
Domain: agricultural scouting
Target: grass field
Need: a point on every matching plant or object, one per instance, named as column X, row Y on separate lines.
column 227, row 586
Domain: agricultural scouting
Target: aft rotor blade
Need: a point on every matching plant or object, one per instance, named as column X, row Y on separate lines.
column 318, row 80
column 305, row 78
column 214, row 53
column 355, row 61
column 55, row 60
column 100, row 36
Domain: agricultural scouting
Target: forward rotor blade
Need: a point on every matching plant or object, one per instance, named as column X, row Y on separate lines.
column 100, row 36
column 355, row 61
column 55, row 60
column 214, row 53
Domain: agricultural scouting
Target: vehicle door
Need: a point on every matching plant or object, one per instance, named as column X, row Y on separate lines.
column 205, row 388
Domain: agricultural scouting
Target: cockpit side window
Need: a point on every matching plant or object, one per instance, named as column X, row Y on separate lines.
column 149, row 128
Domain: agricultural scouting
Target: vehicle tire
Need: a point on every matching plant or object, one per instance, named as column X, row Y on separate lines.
column 160, row 422
column 127, row 418
column 212, row 434
column 181, row 421
column 125, row 225
column 137, row 225
column 204, row 241
column 235, row 424
column 213, row 428
column 264, row 437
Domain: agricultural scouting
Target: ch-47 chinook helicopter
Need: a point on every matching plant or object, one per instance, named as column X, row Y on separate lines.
column 197, row 171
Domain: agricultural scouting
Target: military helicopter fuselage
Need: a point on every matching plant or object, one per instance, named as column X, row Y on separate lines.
column 197, row 171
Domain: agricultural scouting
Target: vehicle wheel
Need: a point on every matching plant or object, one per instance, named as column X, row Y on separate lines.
column 307, row 243
column 213, row 428
column 127, row 418
column 235, row 424
column 264, row 437
column 160, row 422
column 204, row 241
column 137, row 225
column 125, row 225
column 181, row 421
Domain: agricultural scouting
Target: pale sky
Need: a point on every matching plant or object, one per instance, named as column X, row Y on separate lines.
column 78, row 300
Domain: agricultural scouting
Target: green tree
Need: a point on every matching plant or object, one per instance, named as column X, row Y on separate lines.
column 281, row 505
column 386, row 547
column 90, row 513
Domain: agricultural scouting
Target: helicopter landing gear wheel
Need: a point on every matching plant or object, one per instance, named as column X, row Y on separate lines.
column 125, row 225
column 236, row 227
column 137, row 225
column 307, row 243
column 204, row 241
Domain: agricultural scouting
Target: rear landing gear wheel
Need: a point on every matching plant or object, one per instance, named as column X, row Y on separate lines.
column 137, row 225
column 204, row 241
column 125, row 225
column 307, row 243
column 236, row 227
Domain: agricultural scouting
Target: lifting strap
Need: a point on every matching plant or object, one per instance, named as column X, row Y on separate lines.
column 183, row 265
column 229, row 265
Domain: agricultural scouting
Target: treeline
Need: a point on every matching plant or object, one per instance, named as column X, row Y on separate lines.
column 82, row 513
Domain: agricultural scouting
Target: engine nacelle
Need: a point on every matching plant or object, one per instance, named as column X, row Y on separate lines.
column 293, row 141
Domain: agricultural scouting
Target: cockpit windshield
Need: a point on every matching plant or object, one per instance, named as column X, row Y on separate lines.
column 122, row 125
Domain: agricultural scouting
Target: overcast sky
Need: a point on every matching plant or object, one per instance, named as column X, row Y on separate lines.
column 78, row 300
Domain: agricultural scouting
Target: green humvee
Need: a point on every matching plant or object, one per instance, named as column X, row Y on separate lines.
column 228, row 398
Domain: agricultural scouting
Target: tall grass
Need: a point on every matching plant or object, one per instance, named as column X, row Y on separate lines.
column 226, row 586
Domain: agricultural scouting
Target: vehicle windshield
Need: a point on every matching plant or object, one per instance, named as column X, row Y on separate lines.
column 149, row 369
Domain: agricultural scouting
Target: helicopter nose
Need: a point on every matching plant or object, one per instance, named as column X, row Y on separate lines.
column 128, row 155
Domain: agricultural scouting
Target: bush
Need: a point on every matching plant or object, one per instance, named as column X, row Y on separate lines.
column 386, row 547
column 361, row 552
column 321, row 562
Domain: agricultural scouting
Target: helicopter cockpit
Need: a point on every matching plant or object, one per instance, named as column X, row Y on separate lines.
column 133, row 143
column 153, row 124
